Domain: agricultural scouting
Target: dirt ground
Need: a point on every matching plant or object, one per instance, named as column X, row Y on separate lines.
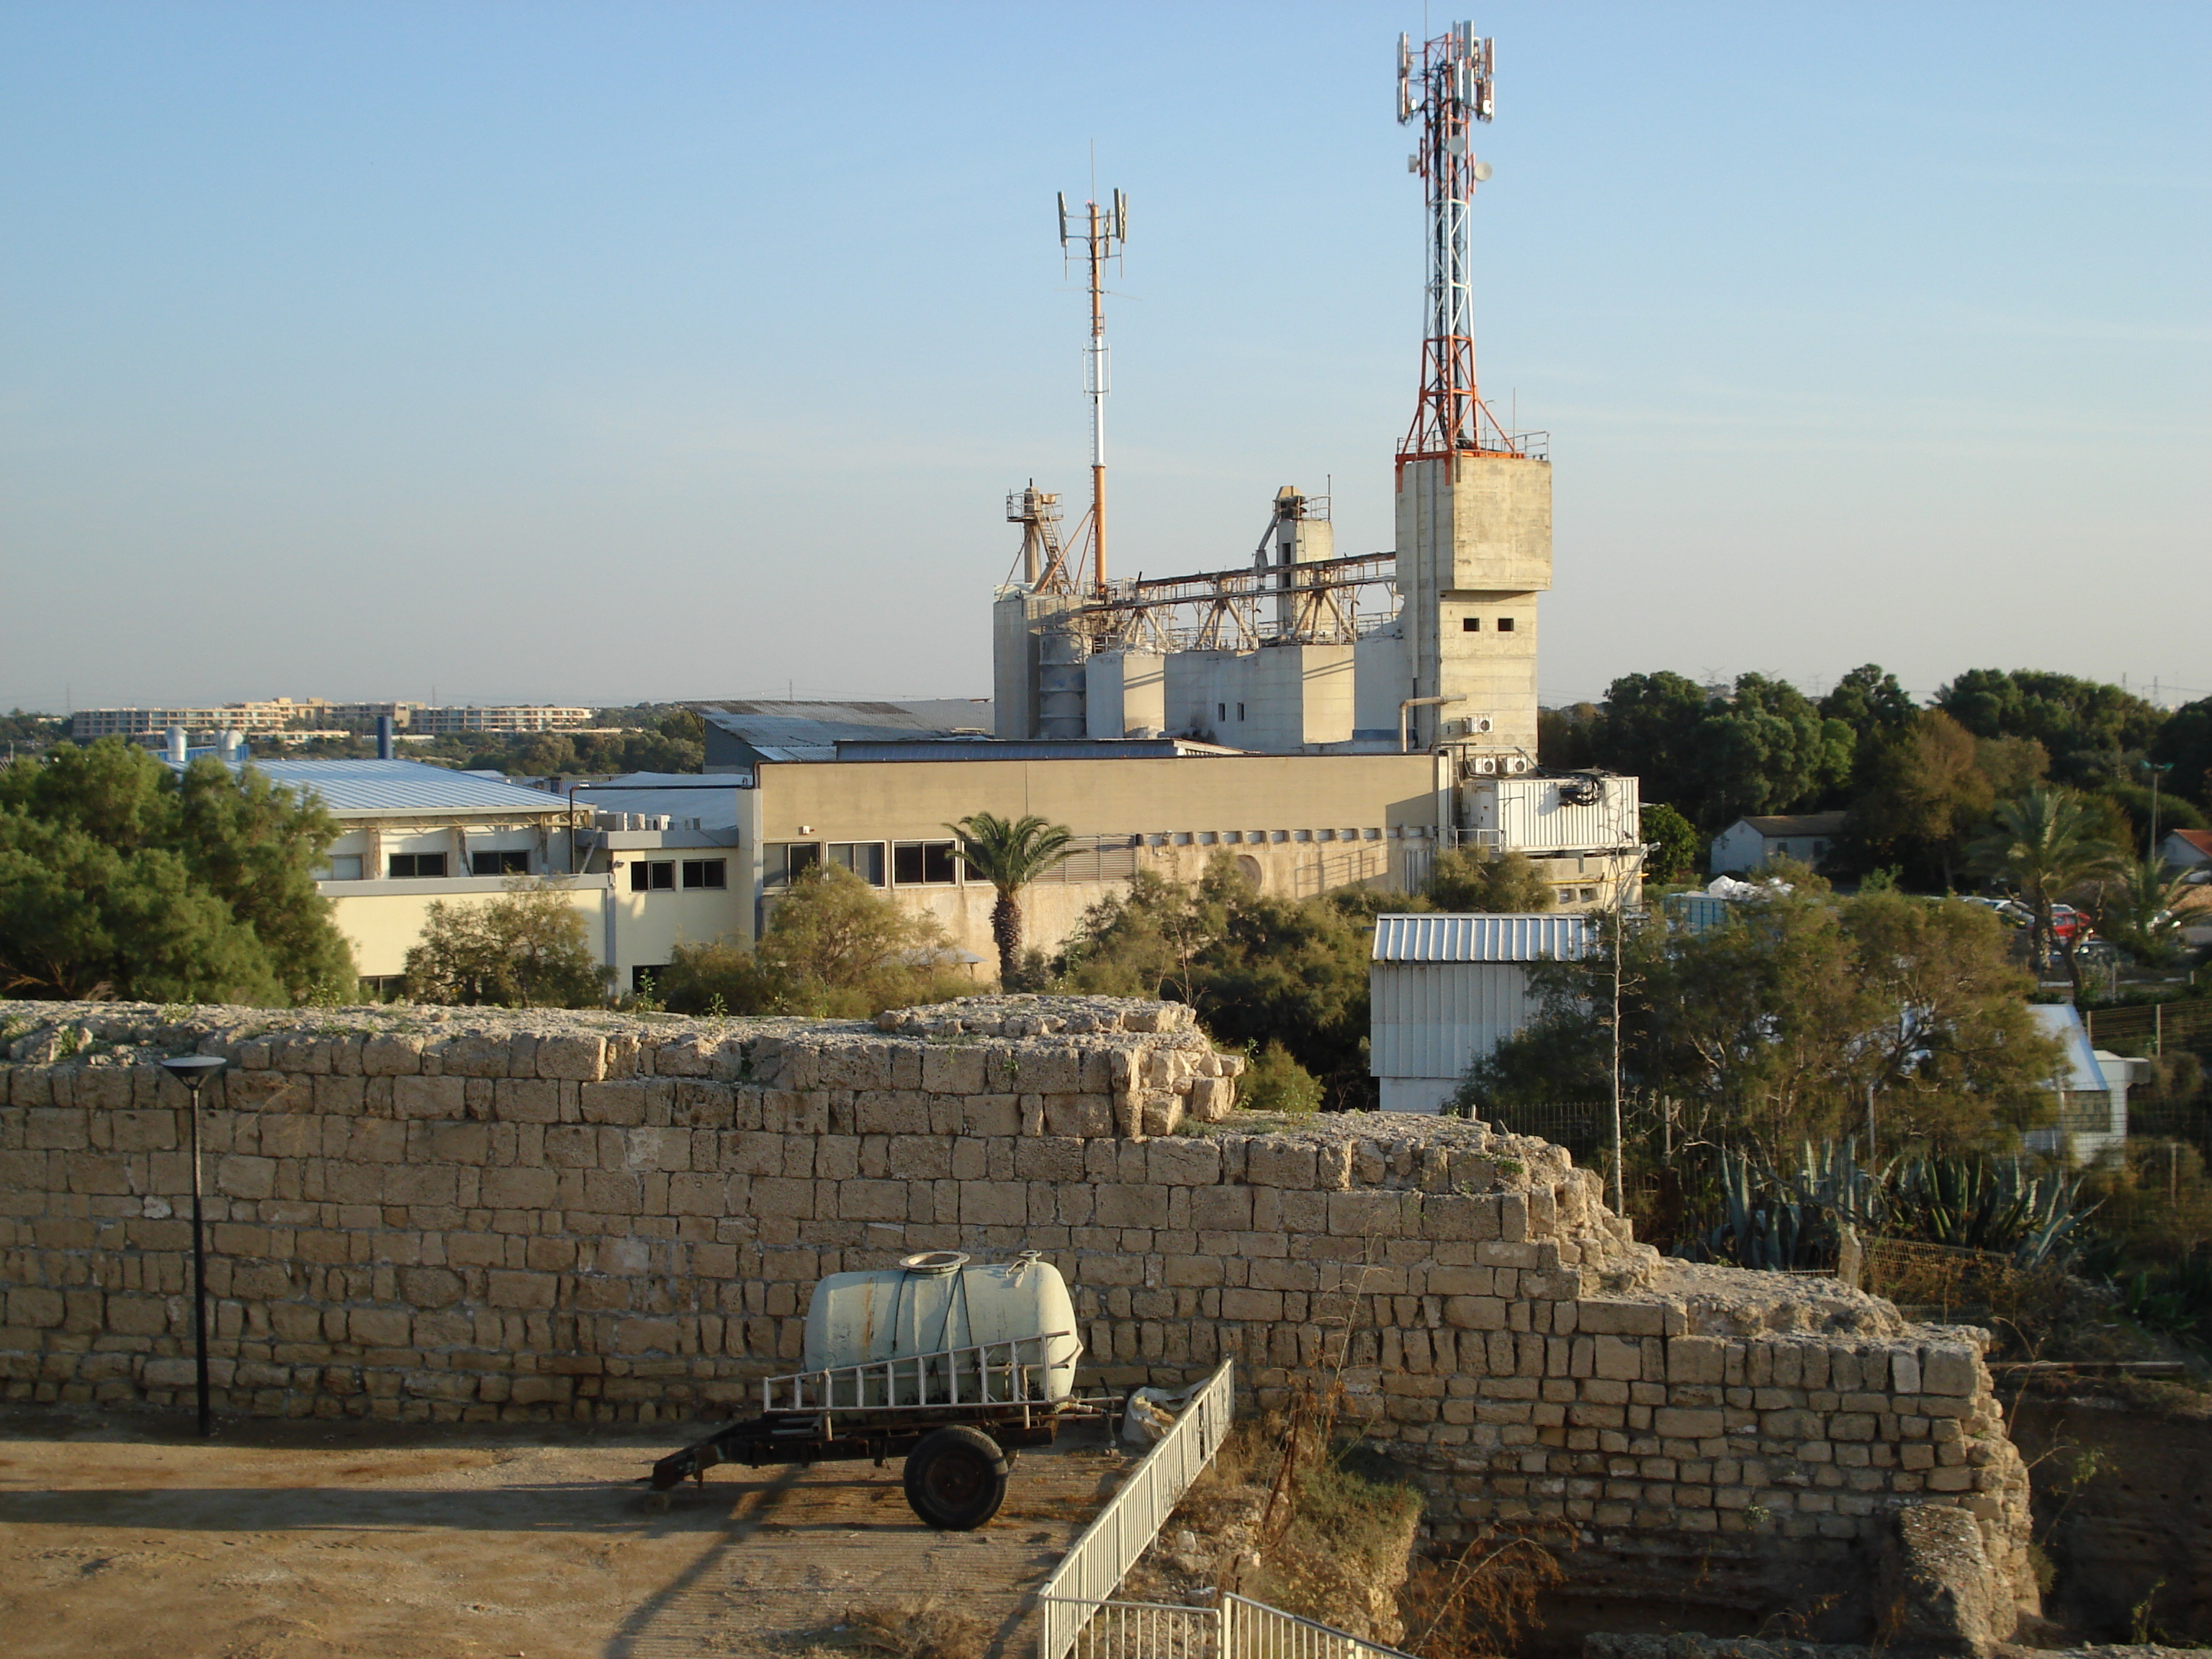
column 123, row 1538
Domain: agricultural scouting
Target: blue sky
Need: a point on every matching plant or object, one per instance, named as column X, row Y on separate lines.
column 598, row 352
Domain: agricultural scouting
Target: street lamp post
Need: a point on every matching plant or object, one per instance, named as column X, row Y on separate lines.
column 193, row 1071
column 2155, row 771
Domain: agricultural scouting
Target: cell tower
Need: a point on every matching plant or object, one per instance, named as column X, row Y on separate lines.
column 1448, row 87
column 1099, row 234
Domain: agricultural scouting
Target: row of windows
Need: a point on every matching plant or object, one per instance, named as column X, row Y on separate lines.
column 420, row 866
column 912, row 863
column 661, row 875
column 1473, row 624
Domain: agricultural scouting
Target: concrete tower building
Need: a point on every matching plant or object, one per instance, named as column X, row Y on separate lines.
column 1474, row 554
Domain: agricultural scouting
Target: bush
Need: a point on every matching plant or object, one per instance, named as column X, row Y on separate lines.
column 529, row 948
column 1276, row 1082
column 835, row 949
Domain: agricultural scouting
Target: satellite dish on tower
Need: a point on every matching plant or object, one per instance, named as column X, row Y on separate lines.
column 1481, row 171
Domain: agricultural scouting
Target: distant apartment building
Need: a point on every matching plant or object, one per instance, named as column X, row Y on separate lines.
column 284, row 713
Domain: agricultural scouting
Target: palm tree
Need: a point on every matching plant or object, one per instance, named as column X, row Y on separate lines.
column 2047, row 843
column 1010, row 854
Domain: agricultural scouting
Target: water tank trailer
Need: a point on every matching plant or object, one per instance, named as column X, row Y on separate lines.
column 939, row 1360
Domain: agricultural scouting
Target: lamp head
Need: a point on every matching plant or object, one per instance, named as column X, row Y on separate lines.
column 193, row 1070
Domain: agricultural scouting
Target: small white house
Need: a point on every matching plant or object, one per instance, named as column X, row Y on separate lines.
column 1749, row 843
column 2183, row 851
column 1447, row 989
column 2091, row 1086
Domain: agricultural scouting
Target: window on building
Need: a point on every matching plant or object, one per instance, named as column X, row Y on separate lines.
column 922, row 863
column 1470, row 624
column 865, row 858
column 1240, row 711
column 343, row 867
column 499, row 864
column 414, row 866
column 1221, row 711
column 785, row 861
column 706, row 873
column 1505, row 624
column 652, row 875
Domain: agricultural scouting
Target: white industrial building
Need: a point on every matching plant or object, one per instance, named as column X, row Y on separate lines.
column 2092, row 1090
column 1446, row 990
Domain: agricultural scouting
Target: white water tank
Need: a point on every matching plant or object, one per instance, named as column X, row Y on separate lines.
column 939, row 1301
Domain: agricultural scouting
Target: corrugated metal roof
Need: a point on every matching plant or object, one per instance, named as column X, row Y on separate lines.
column 2062, row 1020
column 674, row 794
column 1480, row 938
column 368, row 788
column 1797, row 824
column 817, row 725
column 975, row 749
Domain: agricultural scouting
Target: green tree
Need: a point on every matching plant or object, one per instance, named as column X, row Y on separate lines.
column 528, row 948
column 1010, row 854
column 1485, row 879
column 118, row 876
column 1768, row 1030
column 1257, row 968
column 2045, row 846
column 2184, row 741
column 2137, row 908
column 2087, row 727
column 1925, row 793
column 1878, row 710
column 1761, row 747
column 834, row 948
column 1674, row 841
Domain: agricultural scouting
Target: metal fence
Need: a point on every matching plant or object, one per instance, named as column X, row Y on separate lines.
column 1093, row 1569
column 1252, row 1629
column 1238, row 1628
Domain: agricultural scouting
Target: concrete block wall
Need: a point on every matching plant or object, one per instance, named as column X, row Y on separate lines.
column 482, row 1216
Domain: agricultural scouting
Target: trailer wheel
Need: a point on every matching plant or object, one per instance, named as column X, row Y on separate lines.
column 956, row 1479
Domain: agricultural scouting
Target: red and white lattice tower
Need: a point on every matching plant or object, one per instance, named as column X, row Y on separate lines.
column 1447, row 87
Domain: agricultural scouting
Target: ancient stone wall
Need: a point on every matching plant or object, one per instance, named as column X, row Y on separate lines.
column 484, row 1216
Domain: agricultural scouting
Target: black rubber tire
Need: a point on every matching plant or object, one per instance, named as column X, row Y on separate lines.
column 956, row 1479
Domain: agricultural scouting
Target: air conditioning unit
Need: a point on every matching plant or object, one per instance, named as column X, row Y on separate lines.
column 1478, row 724
column 1517, row 763
column 1468, row 725
column 1485, row 765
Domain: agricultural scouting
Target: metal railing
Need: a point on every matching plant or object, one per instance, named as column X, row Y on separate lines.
column 1141, row 1630
column 1239, row 1628
column 1015, row 1372
column 1252, row 1629
column 1093, row 1568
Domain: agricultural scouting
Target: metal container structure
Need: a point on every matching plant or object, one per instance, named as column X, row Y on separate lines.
column 1551, row 815
column 1447, row 989
column 939, row 1303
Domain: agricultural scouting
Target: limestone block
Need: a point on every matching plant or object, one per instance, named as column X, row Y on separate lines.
column 1695, row 1360
column 1190, row 1163
column 1937, row 1592
column 1089, row 1117
column 622, row 1102
column 1610, row 1316
column 1269, row 1162
column 523, row 1100
column 1119, row 1205
column 1161, row 1113
column 414, row 1096
column 467, row 1056
column 378, row 1327
column 993, row 1204
column 690, row 1056
column 947, row 1070
column 517, row 1189
column 1949, row 1369
column 573, row 1057
column 391, row 1054
column 1211, row 1099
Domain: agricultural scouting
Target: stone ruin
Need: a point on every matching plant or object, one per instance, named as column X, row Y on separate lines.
column 430, row 1215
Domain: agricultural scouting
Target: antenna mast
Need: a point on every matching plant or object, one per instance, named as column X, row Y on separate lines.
column 1101, row 237
column 1447, row 86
